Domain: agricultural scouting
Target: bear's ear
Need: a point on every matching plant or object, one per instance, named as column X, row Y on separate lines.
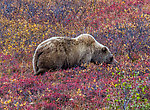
column 104, row 49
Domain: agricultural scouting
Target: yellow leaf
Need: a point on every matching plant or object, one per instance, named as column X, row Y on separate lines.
column 16, row 104
column 24, row 103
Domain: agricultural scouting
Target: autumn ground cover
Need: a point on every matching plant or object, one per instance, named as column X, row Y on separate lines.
column 121, row 25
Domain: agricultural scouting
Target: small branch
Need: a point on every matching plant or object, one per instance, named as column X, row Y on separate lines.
column 124, row 106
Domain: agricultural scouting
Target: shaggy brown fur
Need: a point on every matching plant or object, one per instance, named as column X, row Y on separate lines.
column 62, row 53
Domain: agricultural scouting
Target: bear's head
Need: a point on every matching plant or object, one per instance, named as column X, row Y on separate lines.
column 102, row 55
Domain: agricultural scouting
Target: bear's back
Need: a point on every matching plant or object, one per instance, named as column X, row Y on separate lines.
column 57, row 44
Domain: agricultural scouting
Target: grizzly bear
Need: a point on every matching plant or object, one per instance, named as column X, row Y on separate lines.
column 62, row 52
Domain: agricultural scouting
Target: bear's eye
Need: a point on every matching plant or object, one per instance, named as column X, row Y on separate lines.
column 104, row 49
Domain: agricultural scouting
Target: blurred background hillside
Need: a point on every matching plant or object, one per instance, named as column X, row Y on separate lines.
column 25, row 23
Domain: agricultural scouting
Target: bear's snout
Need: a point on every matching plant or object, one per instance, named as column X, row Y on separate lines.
column 111, row 58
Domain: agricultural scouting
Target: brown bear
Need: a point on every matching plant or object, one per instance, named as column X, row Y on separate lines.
column 62, row 52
